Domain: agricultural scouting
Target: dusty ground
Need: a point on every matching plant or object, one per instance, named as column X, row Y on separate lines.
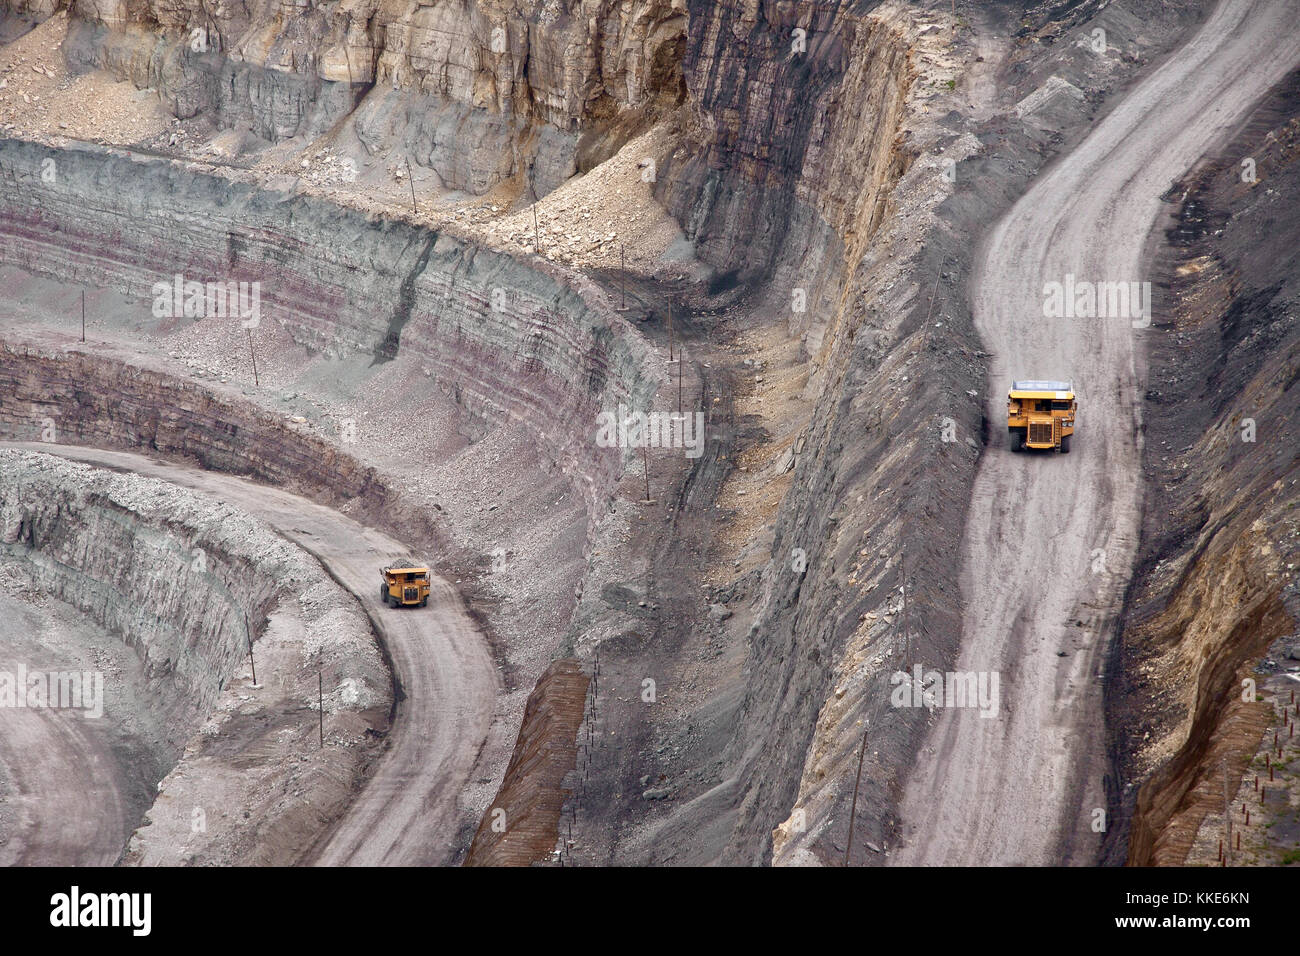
column 40, row 99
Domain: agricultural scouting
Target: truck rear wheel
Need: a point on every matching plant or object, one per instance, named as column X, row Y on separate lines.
column 1065, row 444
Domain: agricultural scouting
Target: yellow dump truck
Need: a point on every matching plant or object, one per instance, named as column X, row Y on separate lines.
column 405, row 585
column 1041, row 415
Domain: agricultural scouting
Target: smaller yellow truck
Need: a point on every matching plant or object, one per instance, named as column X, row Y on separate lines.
column 1040, row 414
column 405, row 585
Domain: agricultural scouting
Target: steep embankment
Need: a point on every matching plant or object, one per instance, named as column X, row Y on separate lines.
column 525, row 821
column 183, row 579
column 791, row 160
column 1216, row 598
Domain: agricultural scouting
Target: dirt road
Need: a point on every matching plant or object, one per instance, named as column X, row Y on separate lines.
column 62, row 794
column 1050, row 539
column 409, row 812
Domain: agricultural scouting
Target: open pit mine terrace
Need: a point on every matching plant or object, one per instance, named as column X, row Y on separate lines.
column 200, row 481
column 402, row 324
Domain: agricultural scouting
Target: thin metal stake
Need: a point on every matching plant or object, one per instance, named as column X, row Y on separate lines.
column 1227, row 811
column 251, row 663
column 622, row 273
column 853, row 806
column 907, row 638
column 253, row 353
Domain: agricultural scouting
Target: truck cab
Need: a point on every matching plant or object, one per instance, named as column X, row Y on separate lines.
column 1041, row 415
column 405, row 585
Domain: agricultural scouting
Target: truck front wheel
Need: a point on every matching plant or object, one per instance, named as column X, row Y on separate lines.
column 1017, row 438
column 1065, row 444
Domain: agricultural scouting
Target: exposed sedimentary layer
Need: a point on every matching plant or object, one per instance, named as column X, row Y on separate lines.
column 524, row 822
column 791, row 150
column 186, row 582
column 509, row 341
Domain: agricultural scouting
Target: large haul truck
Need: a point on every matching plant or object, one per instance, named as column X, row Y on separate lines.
column 405, row 585
column 1041, row 415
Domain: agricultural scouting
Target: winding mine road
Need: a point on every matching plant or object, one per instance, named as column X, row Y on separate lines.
column 409, row 812
column 1050, row 540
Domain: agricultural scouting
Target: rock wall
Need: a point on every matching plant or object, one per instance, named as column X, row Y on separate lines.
column 82, row 399
column 477, row 90
column 794, row 159
column 171, row 587
column 790, row 153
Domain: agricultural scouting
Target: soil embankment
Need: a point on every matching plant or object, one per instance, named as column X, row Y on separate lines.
column 1214, row 605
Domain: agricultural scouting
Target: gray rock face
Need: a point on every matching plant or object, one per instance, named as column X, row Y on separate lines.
column 477, row 90
column 168, row 570
column 794, row 112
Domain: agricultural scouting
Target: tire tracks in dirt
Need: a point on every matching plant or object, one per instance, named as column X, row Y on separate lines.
column 1022, row 788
